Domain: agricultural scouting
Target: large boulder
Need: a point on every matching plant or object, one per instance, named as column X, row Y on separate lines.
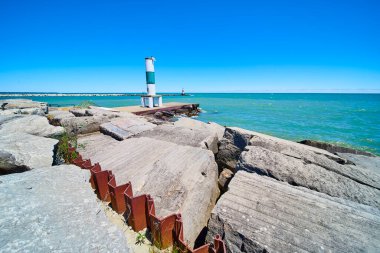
column 184, row 136
column 6, row 118
column 260, row 214
column 21, row 151
column 297, row 171
column 31, row 124
column 291, row 148
column 22, row 104
column 231, row 145
column 224, row 179
column 199, row 125
column 126, row 126
column 363, row 162
column 101, row 111
column 310, row 167
column 91, row 144
column 180, row 178
column 55, row 116
column 54, row 209
column 83, row 125
column 26, row 111
column 78, row 112
column 335, row 148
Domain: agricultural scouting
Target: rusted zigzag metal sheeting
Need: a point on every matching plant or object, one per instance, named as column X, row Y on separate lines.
column 139, row 211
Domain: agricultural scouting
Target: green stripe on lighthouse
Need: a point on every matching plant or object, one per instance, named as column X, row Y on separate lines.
column 150, row 78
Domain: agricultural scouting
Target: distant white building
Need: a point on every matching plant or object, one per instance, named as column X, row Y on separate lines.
column 150, row 99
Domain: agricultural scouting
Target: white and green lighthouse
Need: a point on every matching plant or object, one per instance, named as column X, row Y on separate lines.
column 150, row 99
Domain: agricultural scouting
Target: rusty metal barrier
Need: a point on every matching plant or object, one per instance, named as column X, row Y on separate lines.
column 140, row 212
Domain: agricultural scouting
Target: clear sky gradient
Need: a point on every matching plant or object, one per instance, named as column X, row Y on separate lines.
column 202, row 46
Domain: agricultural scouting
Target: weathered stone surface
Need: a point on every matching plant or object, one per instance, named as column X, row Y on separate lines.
column 126, row 127
column 95, row 111
column 294, row 149
column 363, row 162
column 54, row 210
column 199, row 125
column 100, row 111
column 26, row 111
column 83, row 125
column 20, row 151
column 22, row 104
column 168, row 113
column 260, row 214
column 298, row 172
column 231, row 146
column 55, row 116
column 224, row 179
column 155, row 120
column 318, row 157
column 7, row 118
column 180, row 178
column 78, row 112
column 91, row 144
column 31, row 124
column 335, row 148
column 184, row 136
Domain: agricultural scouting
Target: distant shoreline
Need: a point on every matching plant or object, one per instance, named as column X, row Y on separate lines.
column 82, row 94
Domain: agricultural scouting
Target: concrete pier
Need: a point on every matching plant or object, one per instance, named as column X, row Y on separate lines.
column 172, row 106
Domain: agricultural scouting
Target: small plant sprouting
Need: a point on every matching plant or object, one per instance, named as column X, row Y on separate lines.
column 82, row 145
column 140, row 239
column 65, row 142
column 176, row 249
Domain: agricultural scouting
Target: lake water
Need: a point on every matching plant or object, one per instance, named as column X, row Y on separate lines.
column 345, row 119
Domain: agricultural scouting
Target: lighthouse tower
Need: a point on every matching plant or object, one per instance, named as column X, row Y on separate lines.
column 150, row 99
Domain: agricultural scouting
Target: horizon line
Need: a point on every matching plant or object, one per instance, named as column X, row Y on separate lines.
column 376, row 91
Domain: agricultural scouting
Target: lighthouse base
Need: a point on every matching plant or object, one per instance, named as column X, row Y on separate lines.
column 151, row 101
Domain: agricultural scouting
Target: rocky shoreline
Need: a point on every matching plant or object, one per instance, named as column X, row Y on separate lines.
column 259, row 192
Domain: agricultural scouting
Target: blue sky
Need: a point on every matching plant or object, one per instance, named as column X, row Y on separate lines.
column 203, row 46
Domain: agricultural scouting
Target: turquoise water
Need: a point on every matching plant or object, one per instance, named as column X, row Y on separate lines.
column 346, row 119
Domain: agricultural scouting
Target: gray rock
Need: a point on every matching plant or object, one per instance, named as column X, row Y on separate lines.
column 231, row 146
column 260, row 214
column 8, row 104
column 26, row 111
column 31, row 124
column 100, row 111
column 78, row 112
column 94, row 111
column 363, row 162
column 55, row 117
column 168, row 113
column 20, row 151
column 83, row 125
column 126, row 127
column 54, row 209
column 180, row 178
column 295, row 149
column 318, row 157
column 184, row 136
column 335, row 148
column 7, row 118
column 94, row 143
column 298, row 172
column 199, row 125
column 156, row 121
column 158, row 114
column 224, row 179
